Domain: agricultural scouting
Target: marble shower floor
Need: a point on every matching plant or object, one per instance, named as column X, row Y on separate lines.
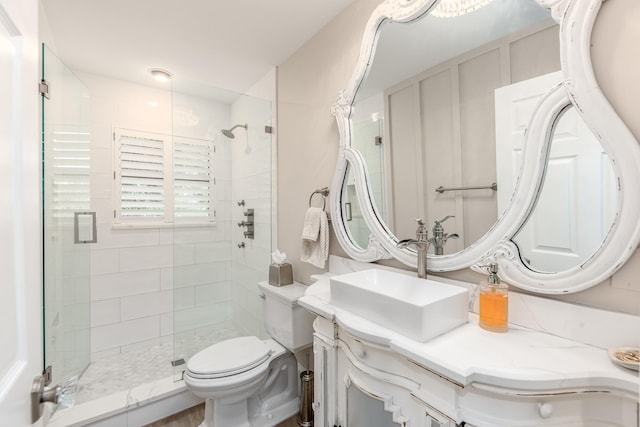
column 124, row 371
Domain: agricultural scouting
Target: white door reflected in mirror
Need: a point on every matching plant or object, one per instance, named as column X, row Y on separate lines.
column 573, row 214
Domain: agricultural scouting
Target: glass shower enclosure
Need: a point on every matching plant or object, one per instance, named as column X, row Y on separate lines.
column 68, row 223
column 217, row 266
column 204, row 286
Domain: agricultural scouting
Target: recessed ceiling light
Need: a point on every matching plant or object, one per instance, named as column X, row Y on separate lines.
column 160, row 75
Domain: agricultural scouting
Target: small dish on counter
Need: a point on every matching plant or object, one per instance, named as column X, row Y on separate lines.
column 628, row 357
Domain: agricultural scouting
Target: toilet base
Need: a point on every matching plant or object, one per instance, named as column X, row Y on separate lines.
column 237, row 415
column 276, row 401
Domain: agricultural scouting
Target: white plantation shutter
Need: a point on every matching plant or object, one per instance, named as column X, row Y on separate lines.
column 141, row 167
column 155, row 184
column 67, row 167
column 193, row 179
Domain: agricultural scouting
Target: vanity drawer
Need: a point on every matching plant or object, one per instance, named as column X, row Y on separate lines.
column 587, row 409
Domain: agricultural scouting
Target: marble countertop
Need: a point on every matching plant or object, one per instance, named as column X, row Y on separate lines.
column 521, row 361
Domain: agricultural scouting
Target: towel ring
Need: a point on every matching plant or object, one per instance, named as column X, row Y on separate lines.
column 324, row 192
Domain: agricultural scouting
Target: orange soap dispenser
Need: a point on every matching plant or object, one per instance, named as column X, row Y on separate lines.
column 494, row 302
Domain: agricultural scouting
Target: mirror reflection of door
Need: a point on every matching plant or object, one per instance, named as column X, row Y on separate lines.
column 577, row 201
column 514, row 105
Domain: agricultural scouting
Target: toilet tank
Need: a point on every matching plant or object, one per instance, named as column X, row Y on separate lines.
column 287, row 322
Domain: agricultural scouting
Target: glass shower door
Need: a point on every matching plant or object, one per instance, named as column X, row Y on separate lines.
column 68, row 224
column 217, row 265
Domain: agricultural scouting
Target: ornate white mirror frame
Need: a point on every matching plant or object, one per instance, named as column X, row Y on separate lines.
column 578, row 89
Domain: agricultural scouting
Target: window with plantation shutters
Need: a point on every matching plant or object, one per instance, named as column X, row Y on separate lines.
column 193, row 180
column 141, row 168
column 162, row 181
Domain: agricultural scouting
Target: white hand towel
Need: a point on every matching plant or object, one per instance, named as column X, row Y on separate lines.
column 315, row 248
column 311, row 226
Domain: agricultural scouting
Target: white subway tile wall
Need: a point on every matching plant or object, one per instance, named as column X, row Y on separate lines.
column 151, row 283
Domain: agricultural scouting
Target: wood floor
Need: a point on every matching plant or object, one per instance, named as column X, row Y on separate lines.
column 193, row 417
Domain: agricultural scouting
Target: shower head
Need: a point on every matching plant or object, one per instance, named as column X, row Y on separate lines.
column 228, row 132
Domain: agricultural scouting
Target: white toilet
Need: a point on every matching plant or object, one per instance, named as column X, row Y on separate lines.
column 248, row 382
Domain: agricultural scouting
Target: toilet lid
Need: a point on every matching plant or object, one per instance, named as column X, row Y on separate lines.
column 229, row 357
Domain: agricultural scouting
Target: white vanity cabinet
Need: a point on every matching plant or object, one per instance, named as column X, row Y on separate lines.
column 361, row 381
column 360, row 384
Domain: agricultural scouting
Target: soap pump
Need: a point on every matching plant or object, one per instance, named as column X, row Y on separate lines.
column 494, row 302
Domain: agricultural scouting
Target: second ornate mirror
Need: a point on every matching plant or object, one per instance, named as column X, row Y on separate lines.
column 473, row 119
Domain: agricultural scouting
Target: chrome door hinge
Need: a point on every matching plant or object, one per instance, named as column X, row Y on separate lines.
column 47, row 374
column 44, row 89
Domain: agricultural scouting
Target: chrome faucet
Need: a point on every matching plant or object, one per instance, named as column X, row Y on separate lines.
column 421, row 243
column 439, row 238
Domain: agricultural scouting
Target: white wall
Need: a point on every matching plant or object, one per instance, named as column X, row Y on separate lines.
column 308, row 83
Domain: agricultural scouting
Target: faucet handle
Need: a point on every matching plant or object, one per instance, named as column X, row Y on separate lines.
column 445, row 218
column 422, row 233
column 438, row 229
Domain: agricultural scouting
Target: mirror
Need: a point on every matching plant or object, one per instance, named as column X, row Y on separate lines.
column 446, row 107
column 437, row 96
column 576, row 205
column 367, row 140
column 352, row 214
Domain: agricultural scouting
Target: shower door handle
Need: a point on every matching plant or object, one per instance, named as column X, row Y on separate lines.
column 88, row 232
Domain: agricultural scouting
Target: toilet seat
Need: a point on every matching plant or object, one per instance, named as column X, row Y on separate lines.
column 229, row 357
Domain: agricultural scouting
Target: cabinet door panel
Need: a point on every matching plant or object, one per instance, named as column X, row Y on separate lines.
column 363, row 410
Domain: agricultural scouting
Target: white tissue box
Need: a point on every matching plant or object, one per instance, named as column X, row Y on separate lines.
column 280, row 274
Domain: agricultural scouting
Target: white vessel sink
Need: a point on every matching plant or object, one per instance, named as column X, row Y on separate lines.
column 420, row 309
